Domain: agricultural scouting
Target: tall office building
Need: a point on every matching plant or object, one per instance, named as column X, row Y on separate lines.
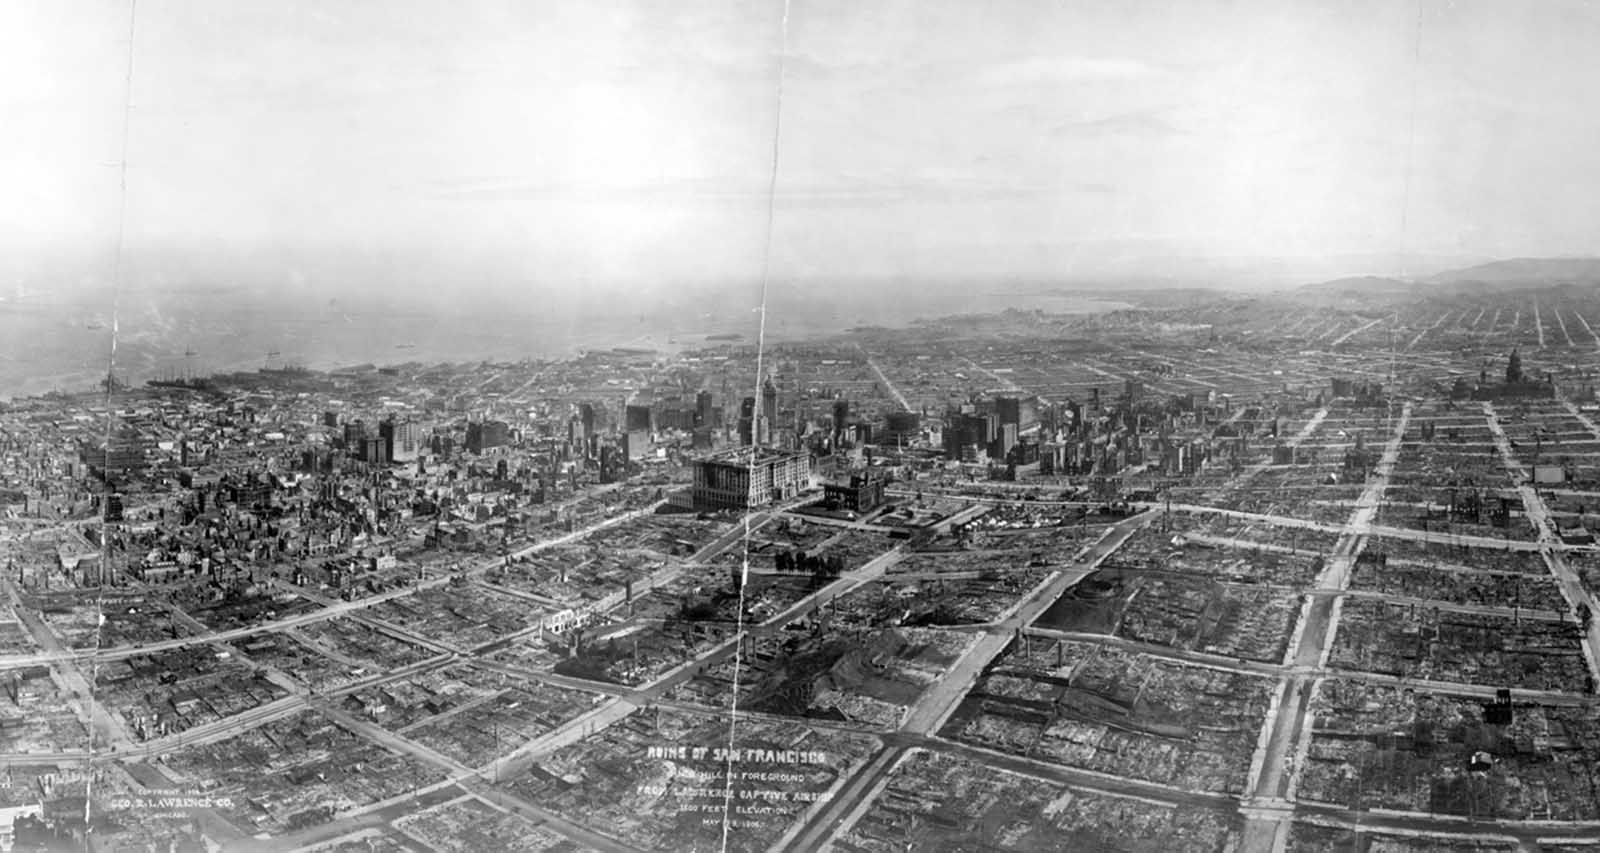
column 638, row 419
column 747, row 421
column 386, row 434
column 676, row 417
column 1009, row 409
column 355, row 432
column 402, row 439
column 769, row 400
column 902, row 428
column 487, row 435
column 705, row 409
column 966, row 435
column 1000, row 446
column 638, row 444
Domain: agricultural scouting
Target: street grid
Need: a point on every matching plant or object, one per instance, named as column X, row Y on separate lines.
column 1268, row 655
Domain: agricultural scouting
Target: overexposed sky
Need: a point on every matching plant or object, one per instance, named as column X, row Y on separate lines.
column 545, row 144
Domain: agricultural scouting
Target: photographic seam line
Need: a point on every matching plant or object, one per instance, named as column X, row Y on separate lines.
column 761, row 340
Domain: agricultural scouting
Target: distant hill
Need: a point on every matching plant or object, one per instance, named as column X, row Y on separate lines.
column 1520, row 273
column 1478, row 280
column 1359, row 293
column 1361, row 285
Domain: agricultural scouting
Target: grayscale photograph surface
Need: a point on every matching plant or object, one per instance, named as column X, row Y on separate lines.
column 754, row 426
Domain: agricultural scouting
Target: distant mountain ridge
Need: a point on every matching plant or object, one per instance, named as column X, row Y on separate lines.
column 1511, row 274
column 1526, row 273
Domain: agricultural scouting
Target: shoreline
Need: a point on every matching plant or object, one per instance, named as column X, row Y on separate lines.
column 148, row 358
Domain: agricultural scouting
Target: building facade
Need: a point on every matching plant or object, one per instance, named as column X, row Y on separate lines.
column 743, row 480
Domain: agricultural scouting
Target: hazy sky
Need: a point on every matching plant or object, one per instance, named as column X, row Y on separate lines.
column 545, row 143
